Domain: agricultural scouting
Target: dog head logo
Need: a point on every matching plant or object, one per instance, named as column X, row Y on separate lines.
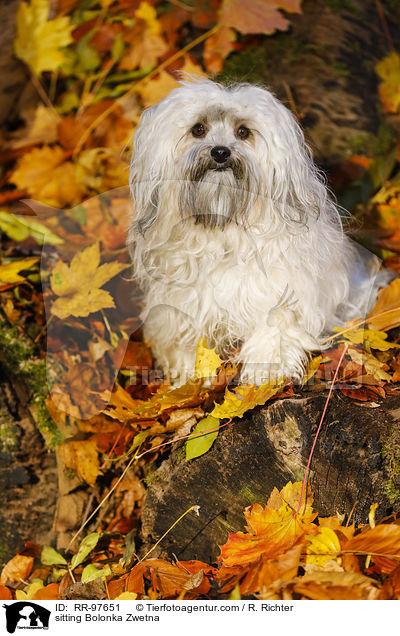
column 26, row 615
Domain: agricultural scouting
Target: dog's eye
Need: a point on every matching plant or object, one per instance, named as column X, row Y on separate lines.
column 242, row 132
column 198, row 130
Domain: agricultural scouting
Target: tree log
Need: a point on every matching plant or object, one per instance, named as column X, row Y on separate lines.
column 356, row 463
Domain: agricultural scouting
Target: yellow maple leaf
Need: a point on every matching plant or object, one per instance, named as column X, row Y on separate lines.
column 372, row 365
column 388, row 70
column 148, row 14
column 9, row 272
column 83, row 458
column 323, row 547
column 369, row 338
column 244, row 398
column 207, row 361
column 78, row 284
column 39, row 40
column 45, row 174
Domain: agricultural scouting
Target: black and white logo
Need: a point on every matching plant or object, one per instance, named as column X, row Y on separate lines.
column 26, row 615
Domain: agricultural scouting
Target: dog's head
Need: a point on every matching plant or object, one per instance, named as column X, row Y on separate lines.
column 218, row 155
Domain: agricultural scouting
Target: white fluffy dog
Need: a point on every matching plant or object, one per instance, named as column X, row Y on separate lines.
column 235, row 238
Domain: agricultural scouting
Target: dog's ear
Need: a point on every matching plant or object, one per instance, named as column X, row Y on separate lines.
column 145, row 173
column 297, row 187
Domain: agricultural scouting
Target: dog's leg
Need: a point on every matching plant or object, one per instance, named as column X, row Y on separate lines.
column 277, row 348
column 173, row 340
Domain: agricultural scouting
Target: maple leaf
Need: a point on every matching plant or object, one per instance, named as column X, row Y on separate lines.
column 78, row 284
column 388, row 299
column 9, row 272
column 207, row 361
column 371, row 364
column 243, row 398
column 45, row 174
column 369, row 338
column 148, row 14
column 273, row 529
column 259, row 16
column 39, row 40
column 388, row 70
column 146, row 43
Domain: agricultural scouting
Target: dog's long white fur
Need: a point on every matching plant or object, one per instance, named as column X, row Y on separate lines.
column 266, row 272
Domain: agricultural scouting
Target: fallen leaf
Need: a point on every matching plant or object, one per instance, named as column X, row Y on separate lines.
column 243, row 398
column 20, row 229
column 5, row 593
column 323, row 547
column 388, row 70
column 217, row 48
column 207, row 361
column 17, row 569
column 154, row 90
column 9, row 272
column 369, row 338
column 388, row 301
column 78, row 285
column 83, row 458
column 259, row 16
column 39, row 40
column 200, row 441
column 273, row 529
column 46, row 176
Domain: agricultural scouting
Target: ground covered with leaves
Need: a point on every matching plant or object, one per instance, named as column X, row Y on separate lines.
column 70, row 327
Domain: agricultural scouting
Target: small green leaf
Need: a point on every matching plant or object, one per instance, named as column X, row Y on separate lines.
column 19, row 229
column 50, row 556
column 91, row 573
column 200, row 441
column 85, row 548
column 117, row 48
column 79, row 214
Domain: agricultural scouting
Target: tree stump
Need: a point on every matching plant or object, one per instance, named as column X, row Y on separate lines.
column 356, row 463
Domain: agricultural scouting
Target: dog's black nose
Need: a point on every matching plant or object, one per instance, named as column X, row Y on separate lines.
column 220, row 153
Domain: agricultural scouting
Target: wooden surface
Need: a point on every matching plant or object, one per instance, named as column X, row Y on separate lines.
column 268, row 448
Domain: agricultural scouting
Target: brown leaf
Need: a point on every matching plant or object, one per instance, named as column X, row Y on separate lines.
column 259, row 16
column 17, row 569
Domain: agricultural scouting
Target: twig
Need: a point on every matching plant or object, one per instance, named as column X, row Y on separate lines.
column 319, row 428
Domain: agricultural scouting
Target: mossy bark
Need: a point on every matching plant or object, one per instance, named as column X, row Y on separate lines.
column 28, row 480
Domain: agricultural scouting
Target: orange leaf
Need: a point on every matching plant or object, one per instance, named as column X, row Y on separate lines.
column 388, row 299
column 47, row 593
column 17, row 569
column 5, row 593
column 217, row 48
column 83, row 458
column 272, row 529
column 382, row 542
